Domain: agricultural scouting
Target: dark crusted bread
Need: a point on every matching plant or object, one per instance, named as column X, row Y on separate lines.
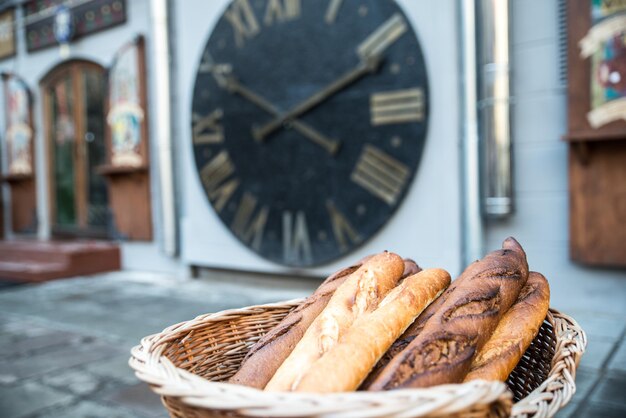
column 443, row 351
column 517, row 329
column 359, row 295
column 409, row 335
column 266, row 356
column 410, row 268
column 345, row 365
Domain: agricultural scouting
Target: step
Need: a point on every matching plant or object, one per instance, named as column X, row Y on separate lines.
column 30, row 271
column 33, row 260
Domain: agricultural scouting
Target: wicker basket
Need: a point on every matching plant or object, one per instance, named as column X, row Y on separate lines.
column 186, row 363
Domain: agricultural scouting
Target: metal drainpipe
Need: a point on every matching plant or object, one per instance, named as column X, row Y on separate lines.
column 472, row 221
column 163, row 131
column 493, row 104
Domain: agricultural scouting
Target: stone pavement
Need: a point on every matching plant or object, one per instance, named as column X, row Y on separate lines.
column 64, row 345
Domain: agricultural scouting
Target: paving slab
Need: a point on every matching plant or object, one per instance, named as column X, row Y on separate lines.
column 611, row 391
column 74, row 380
column 22, row 400
column 22, row 342
column 597, row 353
column 139, row 398
column 88, row 409
column 599, row 409
column 115, row 368
column 59, row 358
column 568, row 410
column 586, row 380
column 599, row 325
column 618, row 360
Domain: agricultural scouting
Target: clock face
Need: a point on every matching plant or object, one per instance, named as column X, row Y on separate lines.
column 309, row 120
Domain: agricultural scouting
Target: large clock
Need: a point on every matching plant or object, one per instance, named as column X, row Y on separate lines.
column 309, row 119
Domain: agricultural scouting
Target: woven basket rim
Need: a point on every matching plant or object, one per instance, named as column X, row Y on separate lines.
column 152, row 367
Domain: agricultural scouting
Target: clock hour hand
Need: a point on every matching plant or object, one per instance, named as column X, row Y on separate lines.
column 226, row 80
column 364, row 67
column 370, row 51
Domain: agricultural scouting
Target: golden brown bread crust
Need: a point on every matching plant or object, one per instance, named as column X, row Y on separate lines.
column 345, row 366
column 409, row 335
column 360, row 293
column 266, row 356
column 444, row 349
column 517, row 329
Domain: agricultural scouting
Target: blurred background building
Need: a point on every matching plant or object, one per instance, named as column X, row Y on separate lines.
column 293, row 137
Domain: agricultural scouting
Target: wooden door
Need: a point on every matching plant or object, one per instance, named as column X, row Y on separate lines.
column 74, row 112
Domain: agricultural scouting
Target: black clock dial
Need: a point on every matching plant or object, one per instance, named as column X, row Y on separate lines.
column 309, row 120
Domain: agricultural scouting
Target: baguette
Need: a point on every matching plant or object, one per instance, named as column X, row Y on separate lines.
column 358, row 295
column 517, row 329
column 409, row 335
column 344, row 367
column 266, row 356
column 444, row 349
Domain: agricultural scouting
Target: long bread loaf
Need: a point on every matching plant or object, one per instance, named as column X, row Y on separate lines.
column 444, row 349
column 359, row 294
column 409, row 335
column 266, row 356
column 344, row 367
column 517, row 329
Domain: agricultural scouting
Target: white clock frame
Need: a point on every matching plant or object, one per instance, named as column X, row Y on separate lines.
column 426, row 226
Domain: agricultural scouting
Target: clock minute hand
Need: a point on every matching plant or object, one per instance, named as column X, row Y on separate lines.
column 231, row 83
column 370, row 50
column 364, row 67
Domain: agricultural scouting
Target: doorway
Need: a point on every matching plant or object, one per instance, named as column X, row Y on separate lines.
column 74, row 100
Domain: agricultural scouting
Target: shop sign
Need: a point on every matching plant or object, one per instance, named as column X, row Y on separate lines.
column 49, row 22
column 7, row 33
column 605, row 46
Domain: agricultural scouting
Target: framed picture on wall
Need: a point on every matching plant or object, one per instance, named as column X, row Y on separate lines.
column 596, row 39
column 597, row 69
column 126, row 115
column 127, row 169
column 7, row 33
column 19, row 129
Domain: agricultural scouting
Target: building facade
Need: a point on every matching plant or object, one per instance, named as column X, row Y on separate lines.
column 117, row 155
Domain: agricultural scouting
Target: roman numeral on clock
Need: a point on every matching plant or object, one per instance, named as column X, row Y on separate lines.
column 281, row 11
column 342, row 229
column 380, row 174
column 247, row 227
column 207, row 129
column 332, row 10
column 296, row 242
column 242, row 19
column 217, row 178
column 400, row 106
